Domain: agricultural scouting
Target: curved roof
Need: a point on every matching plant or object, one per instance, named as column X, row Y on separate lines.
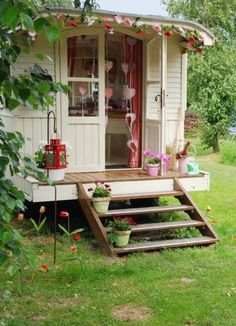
column 209, row 38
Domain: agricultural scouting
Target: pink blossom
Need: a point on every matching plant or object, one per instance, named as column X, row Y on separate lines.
column 180, row 30
column 32, row 35
column 189, row 46
column 148, row 152
column 127, row 22
column 156, row 27
column 118, row 19
column 106, row 19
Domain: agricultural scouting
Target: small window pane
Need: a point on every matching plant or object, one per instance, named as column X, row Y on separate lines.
column 82, row 56
column 83, row 100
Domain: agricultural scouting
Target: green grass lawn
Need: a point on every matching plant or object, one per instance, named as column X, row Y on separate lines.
column 182, row 287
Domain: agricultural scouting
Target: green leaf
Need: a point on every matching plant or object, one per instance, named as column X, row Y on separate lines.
column 6, row 217
column 77, row 231
column 27, row 22
column 40, row 23
column 12, row 103
column 35, row 225
column 42, row 223
column 11, row 203
column 3, row 162
column 63, row 229
column 52, row 33
column 3, row 257
column 24, row 93
column 7, row 236
column 44, row 87
column 9, row 17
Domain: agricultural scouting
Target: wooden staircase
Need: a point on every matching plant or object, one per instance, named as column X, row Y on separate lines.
column 144, row 234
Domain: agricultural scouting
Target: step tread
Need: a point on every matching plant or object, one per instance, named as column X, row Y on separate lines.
column 155, row 194
column 152, row 245
column 143, row 210
column 146, row 227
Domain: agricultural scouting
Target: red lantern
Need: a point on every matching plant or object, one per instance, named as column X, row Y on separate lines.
column 55, row 155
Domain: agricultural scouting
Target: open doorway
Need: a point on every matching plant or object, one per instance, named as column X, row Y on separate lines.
column 123, row 100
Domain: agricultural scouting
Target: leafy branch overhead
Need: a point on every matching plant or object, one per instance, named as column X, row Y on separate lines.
column 20, row 23
column 212, row 76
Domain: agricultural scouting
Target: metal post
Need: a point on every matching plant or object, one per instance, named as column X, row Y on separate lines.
column 55, row 225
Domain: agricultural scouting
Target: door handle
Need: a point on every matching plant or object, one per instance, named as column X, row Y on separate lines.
column 158, row 98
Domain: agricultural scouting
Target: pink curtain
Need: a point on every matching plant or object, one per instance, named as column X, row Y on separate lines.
column 134, row 55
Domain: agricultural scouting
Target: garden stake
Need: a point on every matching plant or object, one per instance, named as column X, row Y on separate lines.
column 55, row 225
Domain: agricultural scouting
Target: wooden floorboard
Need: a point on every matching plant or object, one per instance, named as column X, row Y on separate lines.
column 155, row 245
column 155, row 194
column 149, row 227
column 116, row 175
column 147, row 210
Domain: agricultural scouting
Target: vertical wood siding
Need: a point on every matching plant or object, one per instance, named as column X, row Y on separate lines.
column 153, row 79
column 32, row 124
column 85, row 147
column 174, row 91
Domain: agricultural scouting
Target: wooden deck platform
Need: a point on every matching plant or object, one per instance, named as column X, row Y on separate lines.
column 67, row 189
column 117, row 175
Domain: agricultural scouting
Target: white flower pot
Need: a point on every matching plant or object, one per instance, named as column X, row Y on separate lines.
column 56, row 174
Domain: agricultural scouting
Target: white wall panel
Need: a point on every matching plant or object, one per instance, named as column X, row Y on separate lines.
column 174, row 92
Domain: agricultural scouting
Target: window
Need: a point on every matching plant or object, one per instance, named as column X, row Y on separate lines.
column 82, row 67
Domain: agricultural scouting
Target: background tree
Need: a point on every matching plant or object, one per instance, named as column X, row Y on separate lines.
column 212, row 76
column 20, row 23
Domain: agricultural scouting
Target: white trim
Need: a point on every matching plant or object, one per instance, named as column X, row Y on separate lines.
column 163, row 88
column 37, row 192
column 183, row 97
column 99, row 120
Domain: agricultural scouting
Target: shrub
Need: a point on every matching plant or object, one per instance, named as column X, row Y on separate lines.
column 228, row 152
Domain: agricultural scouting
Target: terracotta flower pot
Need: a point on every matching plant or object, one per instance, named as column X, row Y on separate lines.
column 101, row 204
column 121, row 238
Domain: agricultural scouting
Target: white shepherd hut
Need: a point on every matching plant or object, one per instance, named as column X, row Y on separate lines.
column 128, row 93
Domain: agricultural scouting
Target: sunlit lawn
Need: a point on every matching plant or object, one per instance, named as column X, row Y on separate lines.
column 183, row 287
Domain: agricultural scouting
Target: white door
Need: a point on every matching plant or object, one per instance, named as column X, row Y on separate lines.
column 155, row 96
column 82, row 111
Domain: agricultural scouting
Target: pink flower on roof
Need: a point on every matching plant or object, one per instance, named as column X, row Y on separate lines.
column 156, row 27
column 106, row 19
column 127, row 22
column 118, row 19
column 189, row 46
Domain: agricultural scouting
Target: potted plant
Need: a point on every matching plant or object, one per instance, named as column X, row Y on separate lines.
column 101, row 195
column 152, row 162
column 40, row 155
column 156, row 163
column 120, row 230
column 56, row 174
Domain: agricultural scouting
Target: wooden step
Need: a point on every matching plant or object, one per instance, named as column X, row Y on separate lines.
column 146, row 210
column 148, row 227
column 147, row 195
column 164, row 244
